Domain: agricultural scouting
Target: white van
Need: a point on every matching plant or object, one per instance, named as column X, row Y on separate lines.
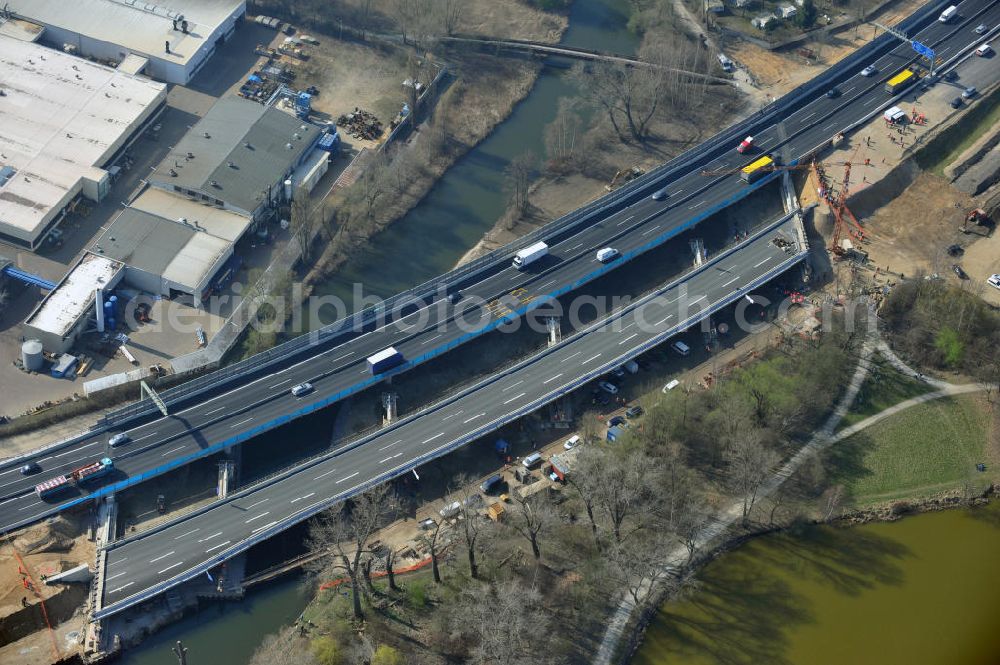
column 607, row 254
column 670, row 386
column 681, row 348
column 895, row 114
column 948, row 14
column 572, row 442
column 531, row 461
column 984, row 50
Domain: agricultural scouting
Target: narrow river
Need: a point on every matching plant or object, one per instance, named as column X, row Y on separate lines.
column 922, row 590
column 461, row 207
column 468, row 200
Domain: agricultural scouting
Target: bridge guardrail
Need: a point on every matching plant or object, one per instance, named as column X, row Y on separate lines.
column 317, row 507
column 494, row 259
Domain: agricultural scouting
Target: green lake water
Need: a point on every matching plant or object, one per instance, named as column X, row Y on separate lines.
column 924, row 590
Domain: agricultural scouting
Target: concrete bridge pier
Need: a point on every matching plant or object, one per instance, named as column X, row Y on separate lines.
column 228, row 473
column 554, row 327
column 389, row 404
column 698, row 249
column 107, row 525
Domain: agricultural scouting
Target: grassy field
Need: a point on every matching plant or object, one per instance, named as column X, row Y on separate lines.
column 884, row 387
column 923, row 450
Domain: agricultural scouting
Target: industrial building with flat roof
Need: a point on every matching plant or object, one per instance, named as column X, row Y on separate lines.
column 62, row 119
column 176, row 37
column 237, row 156
column 168, row 257
column 64, row 313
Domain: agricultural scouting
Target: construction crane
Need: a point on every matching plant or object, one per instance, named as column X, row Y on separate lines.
column 842, row 215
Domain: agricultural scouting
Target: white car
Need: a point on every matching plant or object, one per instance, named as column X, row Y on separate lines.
column 609, row 388
column 994, row 281
column 607, row 254
column 984, row 50
column 118, row 439
column 670, row 386
column 302, row 389
column 572, row 442
column 869, row 71
column 980, row 29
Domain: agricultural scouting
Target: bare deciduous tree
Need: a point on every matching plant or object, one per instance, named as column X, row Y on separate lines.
column 531, row 518
column 562, row 135
column 429, row 539
column 637, row 565
column 749, row 465
column 342, row 534
column 286, row 647
column 305, row 219
column 496, row 618
column 518, row 174
column 626, row 489
column 471, row 523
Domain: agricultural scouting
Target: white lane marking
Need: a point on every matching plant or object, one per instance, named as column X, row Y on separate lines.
column 808, row 116
column 591, row 358
column 632, row 336
column 254, row 505
column 628, row 326
column 515, row 398
column 516, row 275
column 162, row 556
column 428, row 341
column 664, row 319
column 212, row 549
column 448, row 417
column 731, row 281
column 696, row 205
column 303, row 497
column 257, row 517
column 551, row 379
column 698, row 299
column 648, row 231
column 186, row 533
column 29, row 505
column 214, row 535
column 346, row 355
column 478, row 415
column 436, row 436
column 242, row 422
column 115, row 563
column 851, row 89
column 389, row 458
column 364, row 371
column 513, row 385
column 179, row 563
column 173, row 450
column 108, row 579
column 390, row 445
column 324, row 475
column 576, row 247
column 548, row 283
column 624, row 220
column 870, row 101
column 208, row 413
column 678, row 192
column 261, row 528
column 830, row 126
column 280, row 384
column 757, row 265
column 144, row 436
column 571, row 357
column 124, row 586
column 347, row 477
column 74, row 450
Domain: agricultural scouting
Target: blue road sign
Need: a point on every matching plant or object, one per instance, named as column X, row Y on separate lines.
column 925, row 51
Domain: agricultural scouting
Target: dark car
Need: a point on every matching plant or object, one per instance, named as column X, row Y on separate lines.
column 30, row 468
column 956, row 103
column 454, row 297
column 634, row 412
column 958, row 271
column 617, row 421
column 955, row 250
column 951, row 76
column 600, row 398
column 833, row 93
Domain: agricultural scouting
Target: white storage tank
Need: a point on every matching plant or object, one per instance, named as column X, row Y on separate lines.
column 31, row 355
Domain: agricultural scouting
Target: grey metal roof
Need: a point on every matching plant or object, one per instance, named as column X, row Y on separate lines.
column 236, row 152
column 144, row 241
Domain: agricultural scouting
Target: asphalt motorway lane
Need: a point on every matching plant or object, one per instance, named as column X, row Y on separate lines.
column 194, row 544
column 200, row 429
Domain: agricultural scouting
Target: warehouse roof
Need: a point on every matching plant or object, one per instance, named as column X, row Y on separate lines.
column 74, row 295
column 142, row 26
column 61, row 117
column 175, row 251
column 219, row 222
column 236, row 153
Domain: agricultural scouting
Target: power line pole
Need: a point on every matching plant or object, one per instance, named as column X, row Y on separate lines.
column 181, row 652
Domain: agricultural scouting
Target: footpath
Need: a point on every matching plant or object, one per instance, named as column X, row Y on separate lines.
column 821, row 440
